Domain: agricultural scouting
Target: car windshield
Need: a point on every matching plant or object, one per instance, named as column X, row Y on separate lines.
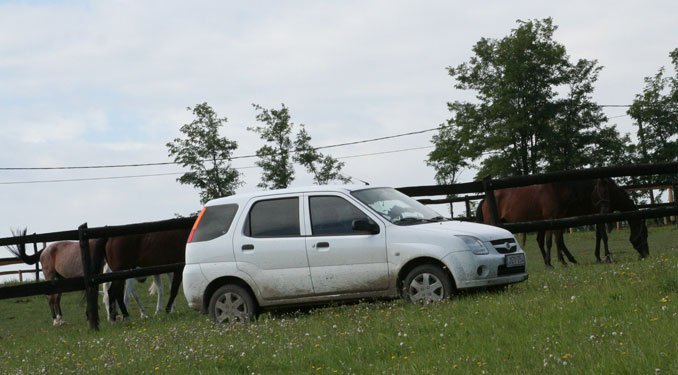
column 397, row 207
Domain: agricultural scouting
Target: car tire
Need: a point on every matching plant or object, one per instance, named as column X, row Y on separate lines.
column 425, row 284
column 232, row 304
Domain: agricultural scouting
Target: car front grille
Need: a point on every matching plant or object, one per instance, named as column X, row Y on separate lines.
column 503, row 270
column 505, row 246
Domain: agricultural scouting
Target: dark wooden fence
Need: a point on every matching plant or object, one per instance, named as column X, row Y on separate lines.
column 12, row 261
column 90, row 282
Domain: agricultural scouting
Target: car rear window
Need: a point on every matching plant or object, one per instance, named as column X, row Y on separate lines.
column 215, row 222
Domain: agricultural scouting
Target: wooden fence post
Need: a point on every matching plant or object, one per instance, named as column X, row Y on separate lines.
column 91, row 289
column 467, row 201
column 491, row 201
column 37, row 264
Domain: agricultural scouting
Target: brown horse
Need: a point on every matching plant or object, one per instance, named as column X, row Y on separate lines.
column 62, row 260
column 141, row 250
column 565, row 199
column 59, row 260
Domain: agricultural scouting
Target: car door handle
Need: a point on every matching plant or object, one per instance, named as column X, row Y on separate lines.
column 247, row 247
column 321, row 245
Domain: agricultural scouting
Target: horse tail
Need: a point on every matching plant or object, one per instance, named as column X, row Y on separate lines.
column 20, row 250
column 479, row 212
column 99, row 257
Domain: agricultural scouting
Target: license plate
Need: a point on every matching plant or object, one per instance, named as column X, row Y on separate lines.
column 514, row 260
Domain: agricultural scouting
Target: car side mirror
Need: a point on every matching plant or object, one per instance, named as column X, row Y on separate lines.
column 362, row 225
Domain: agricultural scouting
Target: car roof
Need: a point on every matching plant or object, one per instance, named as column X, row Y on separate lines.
column 244, row 197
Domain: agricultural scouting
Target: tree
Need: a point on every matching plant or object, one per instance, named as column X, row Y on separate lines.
column 522, row 123
column 206, row 154
column 324, row 168
column 655, row 111
column 276, row 157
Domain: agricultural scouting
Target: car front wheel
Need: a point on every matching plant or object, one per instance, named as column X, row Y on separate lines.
column 231, row 304
column 426, row 283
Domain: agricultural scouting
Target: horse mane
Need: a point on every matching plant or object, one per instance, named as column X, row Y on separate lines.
column 20, row 250
column 620, row 199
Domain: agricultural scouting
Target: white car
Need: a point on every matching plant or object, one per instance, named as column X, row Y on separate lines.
column 327, row 243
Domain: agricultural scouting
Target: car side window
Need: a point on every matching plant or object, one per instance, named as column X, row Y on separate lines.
column 333, row 216
column 274, row 218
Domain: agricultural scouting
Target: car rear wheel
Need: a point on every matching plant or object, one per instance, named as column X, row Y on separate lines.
column 231, row 304
column 426, row 283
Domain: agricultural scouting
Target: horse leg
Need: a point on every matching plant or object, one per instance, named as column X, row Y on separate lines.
column 176, row 282
column 540, row 242
column 59, row 314
column 560, row 242
column 107, row 303
column 559, row 249
column 157, row 288
column 56, row 318
column 603, row 235
column 117, row 291
column 599, row 228
column 549, row 245
column 129, row 290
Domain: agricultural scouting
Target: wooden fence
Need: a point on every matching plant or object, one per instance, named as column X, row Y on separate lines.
column 12, row 261
column 90, row 283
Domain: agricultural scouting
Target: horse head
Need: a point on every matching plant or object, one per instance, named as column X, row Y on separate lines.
column 638, row 237
column 621, row 201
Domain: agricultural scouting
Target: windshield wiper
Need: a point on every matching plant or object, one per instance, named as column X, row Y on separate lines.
column 410, row 220
column 436, row 219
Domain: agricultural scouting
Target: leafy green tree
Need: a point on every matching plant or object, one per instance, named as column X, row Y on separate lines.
column 533, row 108
column 276, row 157
column 206, row 154
column 324, row 168
column 655, row 111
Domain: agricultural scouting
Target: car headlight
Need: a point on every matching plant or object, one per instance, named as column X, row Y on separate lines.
column 475, row 245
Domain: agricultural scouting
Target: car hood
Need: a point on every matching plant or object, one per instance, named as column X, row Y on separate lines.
column 481, row 231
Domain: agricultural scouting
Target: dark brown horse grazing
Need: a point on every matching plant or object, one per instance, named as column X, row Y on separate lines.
column 141, row 250
column 565, row 199
column 59, row 260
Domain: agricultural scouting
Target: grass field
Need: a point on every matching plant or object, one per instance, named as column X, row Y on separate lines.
column 618, row 318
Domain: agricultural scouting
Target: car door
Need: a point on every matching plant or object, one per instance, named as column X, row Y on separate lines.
column 272, row 250
column 341, row 259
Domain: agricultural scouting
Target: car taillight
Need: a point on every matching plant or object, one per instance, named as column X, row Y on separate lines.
column 195, row 225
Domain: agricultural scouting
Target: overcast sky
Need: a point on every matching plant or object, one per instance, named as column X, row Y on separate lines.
column 108, row 82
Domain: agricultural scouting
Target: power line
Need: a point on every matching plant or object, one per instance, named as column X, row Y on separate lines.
column 86, row 179
column 233, row 158
column 384, row 152
column 179, row 173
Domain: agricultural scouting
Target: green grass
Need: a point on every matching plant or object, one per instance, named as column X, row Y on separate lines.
column 618, row 318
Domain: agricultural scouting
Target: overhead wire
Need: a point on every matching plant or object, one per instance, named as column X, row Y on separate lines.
column 233, row 158
column 180, row 173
